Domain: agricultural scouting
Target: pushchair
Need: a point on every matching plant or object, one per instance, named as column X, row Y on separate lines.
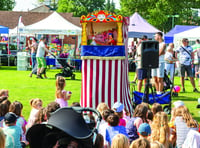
column 64, row 126
column 164, row 98
column 67, row 70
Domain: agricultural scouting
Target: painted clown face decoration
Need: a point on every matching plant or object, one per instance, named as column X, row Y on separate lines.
column 101, row 17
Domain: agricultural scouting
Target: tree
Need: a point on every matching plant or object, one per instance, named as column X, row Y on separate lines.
column 7, row 4
column 161, row 12
column 110, row 6
column 80, row 7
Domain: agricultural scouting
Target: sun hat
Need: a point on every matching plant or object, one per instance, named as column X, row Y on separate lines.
column 118, row 107
column 178, row 103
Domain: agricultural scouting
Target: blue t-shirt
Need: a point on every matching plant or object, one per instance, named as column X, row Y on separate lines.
column 184, row 56
column 111, row 131
column 13, row 134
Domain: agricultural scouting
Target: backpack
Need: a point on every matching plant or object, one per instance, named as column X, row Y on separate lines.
column 131, row 129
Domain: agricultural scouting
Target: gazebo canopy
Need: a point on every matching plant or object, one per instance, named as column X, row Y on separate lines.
column 53, row 24
column 4, row 30
column 139, row 27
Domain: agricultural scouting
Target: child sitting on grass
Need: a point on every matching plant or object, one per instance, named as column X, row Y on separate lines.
column 12, row 132
column 36, row 104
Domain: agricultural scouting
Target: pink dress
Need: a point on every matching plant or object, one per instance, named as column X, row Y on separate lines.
column 61, row 101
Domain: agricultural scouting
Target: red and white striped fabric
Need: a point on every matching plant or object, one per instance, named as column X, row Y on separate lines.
column 106, row 80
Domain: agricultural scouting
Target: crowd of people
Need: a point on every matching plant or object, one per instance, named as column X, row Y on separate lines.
column 144, row 128
column 185, row 58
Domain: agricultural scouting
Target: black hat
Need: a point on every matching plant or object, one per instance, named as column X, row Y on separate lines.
column 10, row 117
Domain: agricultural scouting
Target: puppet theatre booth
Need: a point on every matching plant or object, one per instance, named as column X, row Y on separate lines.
column 104, row 59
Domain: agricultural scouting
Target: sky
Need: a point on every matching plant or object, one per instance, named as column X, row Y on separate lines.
column 25, row 5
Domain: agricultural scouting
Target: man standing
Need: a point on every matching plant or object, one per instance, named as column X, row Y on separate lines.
column 40, row 57
column 158, row 73
column 141, row 72
column 185, row 59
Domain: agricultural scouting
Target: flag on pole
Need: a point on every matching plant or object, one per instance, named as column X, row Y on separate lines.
column 18, row 31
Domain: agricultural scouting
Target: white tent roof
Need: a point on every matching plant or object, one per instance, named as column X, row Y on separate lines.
column 14, row 30
column 139, row 27
column 191, row 34
column 53, row 24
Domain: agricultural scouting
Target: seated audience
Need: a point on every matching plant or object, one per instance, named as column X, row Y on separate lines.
column 114, row 128
column 36, row 104
column 2, row 138
column 12, row 131
column 183, row 123
column 144, row 130
column 140, row 143
column 160, row 129
column 120, row 141
column 118, row 109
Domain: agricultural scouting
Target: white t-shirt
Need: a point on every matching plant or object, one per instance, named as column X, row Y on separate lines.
column 161, row 57
column 185, row 57
column 41, row 49
column 168, row 56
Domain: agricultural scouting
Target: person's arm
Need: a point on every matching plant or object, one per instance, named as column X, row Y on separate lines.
column 162, row 49
column 137, row 122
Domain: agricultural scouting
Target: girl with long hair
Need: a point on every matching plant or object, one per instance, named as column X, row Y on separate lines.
column 160, row 129
column 61, row 95
column 183, row 123
column 139, row 117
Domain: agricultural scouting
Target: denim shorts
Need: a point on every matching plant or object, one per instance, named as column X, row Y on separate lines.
column 187, row 69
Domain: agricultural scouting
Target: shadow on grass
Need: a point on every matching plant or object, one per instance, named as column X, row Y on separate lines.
column 8, row 68
column 184, row 98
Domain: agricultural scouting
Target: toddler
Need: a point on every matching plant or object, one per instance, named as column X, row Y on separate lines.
column 62, row 95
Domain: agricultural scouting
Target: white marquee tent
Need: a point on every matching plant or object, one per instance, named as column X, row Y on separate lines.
column 139, row 27
column 191, row 34
column 53, row 24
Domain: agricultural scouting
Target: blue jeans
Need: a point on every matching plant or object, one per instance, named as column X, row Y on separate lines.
column 33, row 59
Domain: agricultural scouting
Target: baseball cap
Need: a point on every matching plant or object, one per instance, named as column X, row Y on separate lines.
column 178, row 103
column 118, row 107
column 10, row 117
column 144, row 129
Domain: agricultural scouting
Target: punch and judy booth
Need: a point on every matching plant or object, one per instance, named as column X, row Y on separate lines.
column 104, row 59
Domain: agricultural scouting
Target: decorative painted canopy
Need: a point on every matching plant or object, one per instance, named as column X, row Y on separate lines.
column 101, row 16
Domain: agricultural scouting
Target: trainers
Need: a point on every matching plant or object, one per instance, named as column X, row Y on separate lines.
column 39, row 77
column 195, row 90
column 183, row 90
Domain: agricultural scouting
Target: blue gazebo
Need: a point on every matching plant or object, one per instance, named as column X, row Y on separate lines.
column 4, row 30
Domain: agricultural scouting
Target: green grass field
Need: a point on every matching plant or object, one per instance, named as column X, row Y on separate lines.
column 23, row 88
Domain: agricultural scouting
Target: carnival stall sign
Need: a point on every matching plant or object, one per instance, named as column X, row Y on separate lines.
column 104, row 59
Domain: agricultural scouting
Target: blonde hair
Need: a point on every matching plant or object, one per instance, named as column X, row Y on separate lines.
column 160, row 128
column 35, row 102
column 60, row 84
column 120, row 141
column 2, row 138
column 101, row 107
column 156, row 144
column 183, row 111
column 140, row 143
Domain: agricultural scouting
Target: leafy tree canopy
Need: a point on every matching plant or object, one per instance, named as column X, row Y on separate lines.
column 7, row 4
column 80, row 7
column 161, row 12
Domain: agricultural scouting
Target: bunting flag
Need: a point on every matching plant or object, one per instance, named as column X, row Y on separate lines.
column 18, row 31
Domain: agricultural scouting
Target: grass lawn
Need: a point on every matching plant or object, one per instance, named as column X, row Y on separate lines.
column 23, row 88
